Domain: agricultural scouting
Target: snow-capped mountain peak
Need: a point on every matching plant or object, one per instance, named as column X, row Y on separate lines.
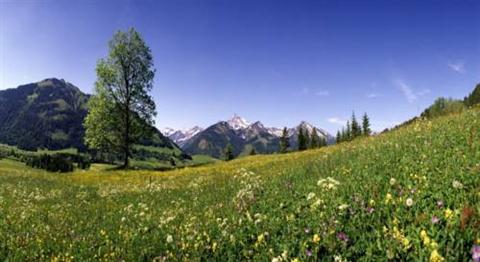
column 167, row 131
column 192, row 131
column 237, row 122
column 181, row 136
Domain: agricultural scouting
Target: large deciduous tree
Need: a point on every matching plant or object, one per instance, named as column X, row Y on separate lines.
column 121, row 106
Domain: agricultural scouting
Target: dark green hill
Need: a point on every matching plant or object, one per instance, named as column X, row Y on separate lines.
column 49, row 115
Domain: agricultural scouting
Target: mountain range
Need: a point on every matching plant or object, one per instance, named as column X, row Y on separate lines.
column 49, row 115
column 241, row 134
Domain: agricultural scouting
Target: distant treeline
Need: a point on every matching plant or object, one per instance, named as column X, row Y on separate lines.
column 59, row 162
column 53, row 161
column 445, row 106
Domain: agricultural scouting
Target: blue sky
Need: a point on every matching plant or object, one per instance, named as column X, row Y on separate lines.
column 276, row 61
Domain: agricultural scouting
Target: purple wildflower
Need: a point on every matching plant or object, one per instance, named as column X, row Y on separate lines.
column 342, row 236
column 476, row 253
column 309, row 253
column 370, row 210
column 435, row 220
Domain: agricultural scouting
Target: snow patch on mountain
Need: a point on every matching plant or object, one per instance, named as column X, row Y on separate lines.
column 181, row 136
column 237, row 122
column 167, row 131
column 275, row 131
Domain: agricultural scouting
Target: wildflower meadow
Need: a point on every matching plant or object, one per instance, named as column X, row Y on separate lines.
column 410, row 194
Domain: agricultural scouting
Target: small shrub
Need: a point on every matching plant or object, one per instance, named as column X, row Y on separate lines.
column 52, row 163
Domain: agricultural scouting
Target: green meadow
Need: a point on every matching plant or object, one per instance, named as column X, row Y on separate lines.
column 410, row 194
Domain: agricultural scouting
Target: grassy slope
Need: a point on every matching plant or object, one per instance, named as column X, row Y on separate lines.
column 260, row 207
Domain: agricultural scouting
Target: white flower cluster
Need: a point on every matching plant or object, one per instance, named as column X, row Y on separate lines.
column 328, row 183
column 457, row 185
column 246, row 195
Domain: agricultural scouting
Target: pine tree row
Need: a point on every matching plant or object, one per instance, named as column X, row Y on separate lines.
column 353, row 129
column 305, row 140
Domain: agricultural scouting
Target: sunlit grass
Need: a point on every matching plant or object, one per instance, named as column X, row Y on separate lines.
column 411, row 194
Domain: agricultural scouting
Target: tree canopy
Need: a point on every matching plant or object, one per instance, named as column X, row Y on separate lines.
column 121, row 105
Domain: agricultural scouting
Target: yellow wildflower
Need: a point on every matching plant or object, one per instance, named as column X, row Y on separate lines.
column 425, row 238
column 316, row 238
column 395, row 221
column 388, row 198
column 385, row 229
column 260, row 238
column 406, row 243
column 423, row 234
column 448, row 213
column 435, row 256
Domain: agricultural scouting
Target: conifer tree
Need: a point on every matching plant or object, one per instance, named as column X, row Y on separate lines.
column 252, row 152
column 315, row 139
column 473, row 98
column 306, row 134
column 323, row 142
column 348, row 132
column 284, row 141
column 338, row 138
column 302, row 141
column 228, row 153
column 355, row 127
column 366, row 131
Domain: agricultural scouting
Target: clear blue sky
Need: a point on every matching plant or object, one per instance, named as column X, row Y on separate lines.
column 275, row 61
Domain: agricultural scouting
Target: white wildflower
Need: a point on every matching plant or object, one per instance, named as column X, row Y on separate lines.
column 393, row 181
column 409, row 202
column 310, row 196
column 456, row 184
column 169, row 239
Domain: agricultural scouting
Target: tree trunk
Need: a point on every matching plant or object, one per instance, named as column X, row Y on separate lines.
column 126, row 73
column 127, row 123
column 127, row 140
